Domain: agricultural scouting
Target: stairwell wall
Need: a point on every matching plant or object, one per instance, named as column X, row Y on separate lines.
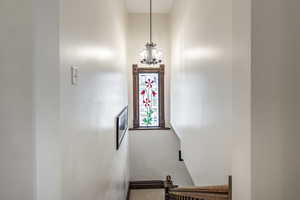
column 17, row 137
column 201, row 87
column 275, row 99
column 241, row 101
column 93, row 38
column 57, row 141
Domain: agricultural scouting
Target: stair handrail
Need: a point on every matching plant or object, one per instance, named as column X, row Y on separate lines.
column 222, row 192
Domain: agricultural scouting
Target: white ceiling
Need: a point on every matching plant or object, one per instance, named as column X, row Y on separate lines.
column 142, row 6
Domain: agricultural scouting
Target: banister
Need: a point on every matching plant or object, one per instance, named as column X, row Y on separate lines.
column 221, row 192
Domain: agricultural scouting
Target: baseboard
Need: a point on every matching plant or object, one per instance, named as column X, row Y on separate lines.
column 153, row 184
column 144, row 185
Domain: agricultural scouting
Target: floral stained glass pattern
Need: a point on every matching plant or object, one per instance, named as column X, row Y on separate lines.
column 148, row 99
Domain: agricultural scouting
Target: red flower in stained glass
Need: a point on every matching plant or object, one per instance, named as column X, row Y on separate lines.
column 147, row 102
column 143, row 92
column 154, row 93
column 149, row 83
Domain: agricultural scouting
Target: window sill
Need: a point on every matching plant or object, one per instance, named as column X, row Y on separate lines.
column 149, row 129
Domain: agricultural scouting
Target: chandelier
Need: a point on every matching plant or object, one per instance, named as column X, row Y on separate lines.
column 151, row 55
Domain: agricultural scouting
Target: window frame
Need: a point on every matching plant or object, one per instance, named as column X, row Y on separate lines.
column 161, row 83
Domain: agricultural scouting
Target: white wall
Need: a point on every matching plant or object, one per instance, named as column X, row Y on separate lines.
column 30, row 154
column 154, row 155
column 17, row 175
column 275, row 99
column 265, row 95
column 57, row 140
column 46, row 100
column 93, row 38
column 201, row 87
column 241, row 101
column 147, row 162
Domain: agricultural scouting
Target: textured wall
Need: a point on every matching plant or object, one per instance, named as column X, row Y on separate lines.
column 201, row 87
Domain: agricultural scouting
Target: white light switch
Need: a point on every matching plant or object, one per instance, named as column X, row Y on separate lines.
column 74, row 75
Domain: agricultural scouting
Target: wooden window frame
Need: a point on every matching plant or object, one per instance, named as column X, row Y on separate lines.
column 161, row 76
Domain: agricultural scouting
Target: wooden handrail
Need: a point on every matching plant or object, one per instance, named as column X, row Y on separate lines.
column 209, row 189
column 221, row 192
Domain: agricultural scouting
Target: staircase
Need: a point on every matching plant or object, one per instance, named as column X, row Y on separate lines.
column 222, row 192
column 166, row 190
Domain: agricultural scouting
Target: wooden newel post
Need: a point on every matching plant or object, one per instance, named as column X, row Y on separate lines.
column 168, row 186
column 230, row 188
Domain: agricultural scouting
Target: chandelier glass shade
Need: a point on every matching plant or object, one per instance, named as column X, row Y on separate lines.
column 151, row 55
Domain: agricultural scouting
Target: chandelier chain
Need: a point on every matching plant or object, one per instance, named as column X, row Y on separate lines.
column 151, row 55
column 150, row 21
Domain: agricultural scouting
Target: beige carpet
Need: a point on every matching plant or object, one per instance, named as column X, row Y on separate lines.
column 157, row 194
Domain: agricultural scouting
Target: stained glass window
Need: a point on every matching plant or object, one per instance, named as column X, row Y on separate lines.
column 149, row 99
